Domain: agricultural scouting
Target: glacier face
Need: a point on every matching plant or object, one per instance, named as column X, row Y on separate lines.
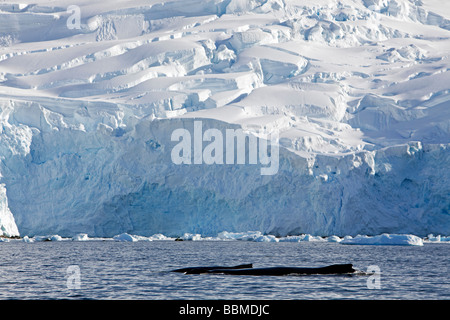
column 8, row 227
column 357, row 91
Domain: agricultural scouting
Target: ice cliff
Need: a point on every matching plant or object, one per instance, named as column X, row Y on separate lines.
column 358, row 91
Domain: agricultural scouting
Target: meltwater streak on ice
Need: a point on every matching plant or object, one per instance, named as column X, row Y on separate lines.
column 358, row 90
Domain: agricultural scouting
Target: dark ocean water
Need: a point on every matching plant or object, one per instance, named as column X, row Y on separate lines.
column 139, row 270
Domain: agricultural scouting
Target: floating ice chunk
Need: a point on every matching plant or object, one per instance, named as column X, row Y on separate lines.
column 4, row 239
column 291, row 238
column 303, row 237
column 309, row 237
column 385, row 239
column 160, row 236
column 191, row 237
column 53, row 237
column 438, row 238
column 125, row 237
column 433, row 238
column 27, row 239
column 255, row 236
column 245, row 236
column 142, row 238
column 267, row 238
column 80, row 237
column 333, row 239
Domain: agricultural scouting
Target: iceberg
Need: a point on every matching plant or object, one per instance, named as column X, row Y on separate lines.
column 142, row 238
column 54, row 237
column 125, row 237
column 26, row 239
column 160, row 236
column 255, row 236
column 438, row 238
column 303, row 237
column 243, row 236
column 80, row 237
column 266, row 238
column 292, row 238
column 333, row 239
column 384, row 239
column 191, row 237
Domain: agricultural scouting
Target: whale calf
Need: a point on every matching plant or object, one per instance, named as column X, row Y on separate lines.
column 198, row 270
column 276, row 271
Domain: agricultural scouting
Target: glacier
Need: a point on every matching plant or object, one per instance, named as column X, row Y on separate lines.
column 357, row 90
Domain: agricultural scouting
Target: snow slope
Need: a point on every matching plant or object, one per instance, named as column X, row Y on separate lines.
column 358, row 91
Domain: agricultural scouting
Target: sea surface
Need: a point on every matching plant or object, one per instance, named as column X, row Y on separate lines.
column 141, row 270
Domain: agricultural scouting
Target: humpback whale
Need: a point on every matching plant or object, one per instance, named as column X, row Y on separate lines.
column 198, row 270
column 273, row 271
